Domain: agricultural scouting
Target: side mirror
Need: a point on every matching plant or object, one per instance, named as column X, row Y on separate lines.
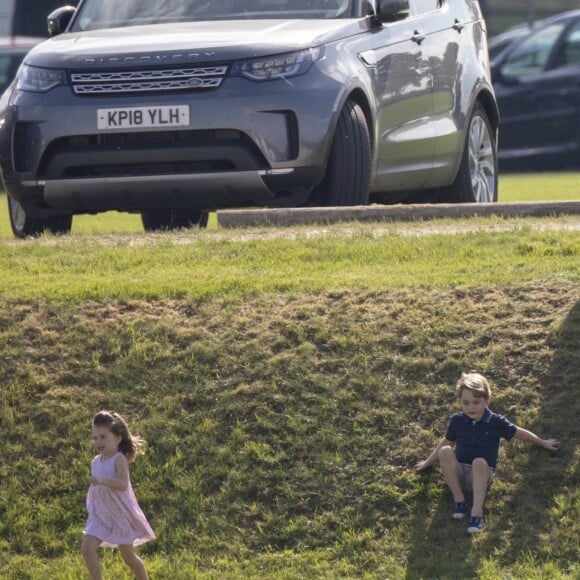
column 392, row 10
column 59, row 19
column 367, row 8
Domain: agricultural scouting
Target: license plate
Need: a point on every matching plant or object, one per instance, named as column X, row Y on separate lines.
column 143, row 117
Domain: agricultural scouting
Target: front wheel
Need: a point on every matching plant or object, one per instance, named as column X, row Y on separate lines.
column 23, row 225
column 348, row 171
column 477, row 178
column 167, row 220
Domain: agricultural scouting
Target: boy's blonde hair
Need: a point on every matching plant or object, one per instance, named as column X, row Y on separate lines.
column 475, row 383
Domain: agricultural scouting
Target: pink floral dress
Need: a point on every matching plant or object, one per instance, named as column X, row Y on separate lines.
column 115, row 517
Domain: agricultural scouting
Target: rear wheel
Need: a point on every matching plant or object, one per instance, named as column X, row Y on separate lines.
column 172, row 220
column 477, row 178
column 348, row 171
column 23, row 225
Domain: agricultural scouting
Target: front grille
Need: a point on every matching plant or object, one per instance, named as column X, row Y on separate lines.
column 143, row 81
column 150, row 153
column 147, row 169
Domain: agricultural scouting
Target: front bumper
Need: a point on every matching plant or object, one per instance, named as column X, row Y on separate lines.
column 247, row 143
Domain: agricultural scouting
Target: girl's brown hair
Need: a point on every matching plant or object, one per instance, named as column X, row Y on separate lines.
column 130, row 445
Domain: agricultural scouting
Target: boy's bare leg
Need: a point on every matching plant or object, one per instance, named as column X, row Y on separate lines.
column 452, row 472
column 479, row 483
column 132, row 560
column 89, row 552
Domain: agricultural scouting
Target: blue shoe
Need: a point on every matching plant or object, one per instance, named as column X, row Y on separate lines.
column 475, row 524
column 459, row 510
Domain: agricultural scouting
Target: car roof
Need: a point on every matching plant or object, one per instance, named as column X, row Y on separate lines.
column 523, row 28
column 499, row 43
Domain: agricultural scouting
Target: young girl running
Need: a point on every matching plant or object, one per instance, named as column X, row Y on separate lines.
column 115, row 518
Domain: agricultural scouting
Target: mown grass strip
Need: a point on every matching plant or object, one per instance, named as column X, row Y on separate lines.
column 549, row 186
column 198, row 267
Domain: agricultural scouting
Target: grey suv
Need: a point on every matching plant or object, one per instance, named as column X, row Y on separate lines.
column 173, row 108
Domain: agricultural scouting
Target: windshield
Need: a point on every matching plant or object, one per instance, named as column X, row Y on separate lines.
column 96, row 14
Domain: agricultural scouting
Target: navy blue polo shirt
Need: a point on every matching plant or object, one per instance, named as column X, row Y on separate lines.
column 479, row 438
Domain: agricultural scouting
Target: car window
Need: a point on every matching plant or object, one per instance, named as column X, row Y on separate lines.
column 96, row 14
column 532, row 55
column 497, row 48
column 569, row 52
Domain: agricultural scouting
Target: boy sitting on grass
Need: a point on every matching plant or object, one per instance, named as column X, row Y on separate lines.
column 476, row 433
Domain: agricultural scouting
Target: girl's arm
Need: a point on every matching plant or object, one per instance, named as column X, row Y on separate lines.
column 119, row 483
column 430, row 461
column 525, row 435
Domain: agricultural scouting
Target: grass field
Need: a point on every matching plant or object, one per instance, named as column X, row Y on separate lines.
column 286, row 386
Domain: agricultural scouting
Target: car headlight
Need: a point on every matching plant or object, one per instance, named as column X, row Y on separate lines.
column 282, row 66
column 38, row 80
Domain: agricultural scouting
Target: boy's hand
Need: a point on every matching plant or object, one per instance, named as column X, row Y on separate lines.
column 422, row 465
column 551, row 444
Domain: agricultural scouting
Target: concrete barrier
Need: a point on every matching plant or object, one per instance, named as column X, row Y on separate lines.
column 232, row 218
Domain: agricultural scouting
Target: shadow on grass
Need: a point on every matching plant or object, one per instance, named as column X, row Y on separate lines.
column 440, row 545
column 441, row 548
column 548, row 478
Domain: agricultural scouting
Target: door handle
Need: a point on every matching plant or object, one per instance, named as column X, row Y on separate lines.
column 418, row 37
column 457, row 25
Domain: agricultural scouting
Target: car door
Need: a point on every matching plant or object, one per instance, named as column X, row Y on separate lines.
column 405, row 136
column 451, row 51
column 558, row 93
column 538, row 91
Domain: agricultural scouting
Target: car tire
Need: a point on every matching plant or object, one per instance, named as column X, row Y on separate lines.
column 348, row 171
column 477, row 178
column 24, row 226
column 154, row 221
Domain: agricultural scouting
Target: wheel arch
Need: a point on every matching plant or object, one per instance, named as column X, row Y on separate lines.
column 349, row 161
column 357, row 95
column 487, row 101
column 360, row 98
column 473, row 179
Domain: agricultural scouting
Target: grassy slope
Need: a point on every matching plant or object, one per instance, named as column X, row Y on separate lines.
column 284, row 419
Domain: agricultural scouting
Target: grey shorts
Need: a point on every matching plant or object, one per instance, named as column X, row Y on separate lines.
column 466, row 481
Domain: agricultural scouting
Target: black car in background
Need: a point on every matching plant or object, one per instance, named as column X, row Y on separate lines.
column 12, row 52
column 27, row 17
column 22, row 26
column 537, row 86
column 499, row 43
